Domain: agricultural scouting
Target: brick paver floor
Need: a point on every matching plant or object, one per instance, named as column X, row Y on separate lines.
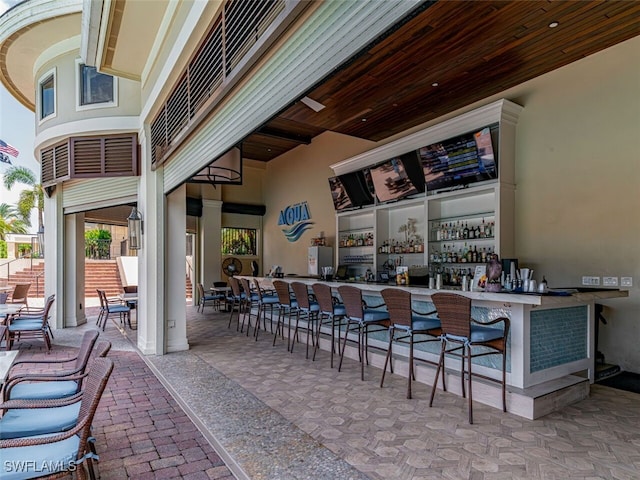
column 141, row 432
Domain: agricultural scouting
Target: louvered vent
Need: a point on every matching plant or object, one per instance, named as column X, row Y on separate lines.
column 120, row 156
column 61, row 161
column 87, row 157
column 90, row 157
column 240, row 26
column 54, row 164
column 46, row 166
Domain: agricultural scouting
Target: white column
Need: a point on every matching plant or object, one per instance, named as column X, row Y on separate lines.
column 176, row 272
column 151, row 300
column 54, row 255
column 175, row 261
column 74, row 265
column 210, row 242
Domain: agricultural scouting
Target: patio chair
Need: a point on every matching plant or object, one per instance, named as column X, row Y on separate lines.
column 31, row 325
column 204, row 298
column 112, row 306
column 51, row 385
column 20, row 293
column 62, row 449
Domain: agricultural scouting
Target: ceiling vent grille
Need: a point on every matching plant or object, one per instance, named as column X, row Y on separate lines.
column 238, row 28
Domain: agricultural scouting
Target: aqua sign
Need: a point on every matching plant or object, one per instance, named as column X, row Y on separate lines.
column 297, row 219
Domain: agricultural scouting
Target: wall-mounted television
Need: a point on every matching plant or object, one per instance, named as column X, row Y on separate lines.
column 462, row 160
column 350, row 190
column 398, row 177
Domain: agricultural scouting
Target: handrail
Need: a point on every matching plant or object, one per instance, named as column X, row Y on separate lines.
column 37, row 279
column 10, row 262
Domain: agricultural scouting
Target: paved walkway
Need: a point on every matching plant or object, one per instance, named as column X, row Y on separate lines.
column 141, row 432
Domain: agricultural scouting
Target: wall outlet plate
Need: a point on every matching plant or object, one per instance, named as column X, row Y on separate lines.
column 609, row 281
column 591, row 281
column 626, row 281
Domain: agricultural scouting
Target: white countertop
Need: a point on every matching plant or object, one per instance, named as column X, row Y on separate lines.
column 513, row 298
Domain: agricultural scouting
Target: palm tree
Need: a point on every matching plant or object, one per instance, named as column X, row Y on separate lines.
column 10, row 221
column 29, row 198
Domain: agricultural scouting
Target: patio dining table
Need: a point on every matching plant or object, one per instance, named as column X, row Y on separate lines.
column 7, row 309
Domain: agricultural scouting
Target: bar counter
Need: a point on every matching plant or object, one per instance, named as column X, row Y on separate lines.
column 551, row 337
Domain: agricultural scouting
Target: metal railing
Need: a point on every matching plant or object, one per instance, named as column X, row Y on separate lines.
column 8, row 264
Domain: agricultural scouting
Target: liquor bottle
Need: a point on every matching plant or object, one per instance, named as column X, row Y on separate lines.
column 465, row 232
column 482, row 232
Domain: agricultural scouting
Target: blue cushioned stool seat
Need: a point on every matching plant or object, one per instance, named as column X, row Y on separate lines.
column 480, row 334
column 26, row 422
column 371, row 315
column 424, row 323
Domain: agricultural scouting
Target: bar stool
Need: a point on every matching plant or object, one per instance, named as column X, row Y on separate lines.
column 361, row 318
column 410, row 322
column 458, row 328
column 250, row 300
column 286, row 306
column 309, row 310
column 265, row 301
column 236, row 299
column 331, row 311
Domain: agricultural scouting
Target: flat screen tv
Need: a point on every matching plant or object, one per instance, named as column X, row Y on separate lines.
column 462, row 160
column 350, row 190
column 398, row 178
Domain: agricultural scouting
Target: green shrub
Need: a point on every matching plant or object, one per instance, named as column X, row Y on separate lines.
column 97, row 243
column 3, row 249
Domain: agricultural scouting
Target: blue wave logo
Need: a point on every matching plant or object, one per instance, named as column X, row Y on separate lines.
column 294, row 233
column 297, row 219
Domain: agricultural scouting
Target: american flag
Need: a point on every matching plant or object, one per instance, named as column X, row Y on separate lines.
column 6, row 148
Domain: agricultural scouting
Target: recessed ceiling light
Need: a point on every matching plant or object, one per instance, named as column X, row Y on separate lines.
column 364, row 119
column 268, row 149
column 435, row 84
column 554, row 24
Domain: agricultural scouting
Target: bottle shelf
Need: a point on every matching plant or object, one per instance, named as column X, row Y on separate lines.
column 357, row 246
column 366, row 259
column 356, row 230
column 399, row 254
column 468, row 216
column 480, row 239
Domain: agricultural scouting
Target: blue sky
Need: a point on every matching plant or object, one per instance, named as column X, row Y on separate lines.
column 17, row 128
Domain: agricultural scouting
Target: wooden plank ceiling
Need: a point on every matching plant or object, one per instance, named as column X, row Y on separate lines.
column 448, row 55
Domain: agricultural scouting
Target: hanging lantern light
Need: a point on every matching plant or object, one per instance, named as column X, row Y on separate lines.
column 134, row 223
